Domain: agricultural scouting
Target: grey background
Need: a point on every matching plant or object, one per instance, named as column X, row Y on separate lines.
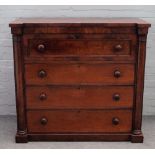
column 9, row 13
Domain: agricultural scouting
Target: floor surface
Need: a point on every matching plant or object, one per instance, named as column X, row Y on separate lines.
column 8, row 130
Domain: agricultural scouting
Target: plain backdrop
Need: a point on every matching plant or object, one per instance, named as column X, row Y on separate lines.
column 9, row 13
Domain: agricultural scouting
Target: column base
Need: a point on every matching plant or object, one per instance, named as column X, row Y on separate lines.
column 21, row 137
column 137, row 137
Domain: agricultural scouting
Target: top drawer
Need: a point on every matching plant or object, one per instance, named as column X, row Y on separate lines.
column 79, row 46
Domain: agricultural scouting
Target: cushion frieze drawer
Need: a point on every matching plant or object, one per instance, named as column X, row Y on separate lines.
column 78, row 47
column 40, row 74
column 61, row 121
column 80, row 97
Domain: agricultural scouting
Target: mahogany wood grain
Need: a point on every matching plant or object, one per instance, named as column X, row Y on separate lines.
column 78, row 47
column 76, row 21
column 19, row 88
column 109, row 137
column 79, row 78
column 77, row 25
column 79, row 97
column 79, row 73
column 139, row 87
column 61, row 121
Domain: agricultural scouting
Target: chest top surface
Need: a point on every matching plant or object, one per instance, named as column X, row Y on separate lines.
column 79, row 21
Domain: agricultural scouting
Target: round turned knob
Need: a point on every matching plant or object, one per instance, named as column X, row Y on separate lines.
column 42, row 74
column 41, row 47
column 75, row 36
column 118, row 47
column 43, row 121
column 115, row 121
column 117, row 74
column 116, row 97
column 42, row 96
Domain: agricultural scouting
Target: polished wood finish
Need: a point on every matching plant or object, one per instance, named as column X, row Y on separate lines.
column 41, row 74
column 83, row 97
column 79, row 47
column 79, row 79
column 77, row 121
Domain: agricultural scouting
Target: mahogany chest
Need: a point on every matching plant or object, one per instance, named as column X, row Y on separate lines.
column 79, row 79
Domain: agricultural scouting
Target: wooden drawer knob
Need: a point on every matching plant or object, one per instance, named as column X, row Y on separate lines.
column 116, row 97
column 43, row 96
column 42, row 74
column 41, row 48
column 117, row 73
column 115, row 121
column 74, row 36
column 43, row 121
column 118, row 47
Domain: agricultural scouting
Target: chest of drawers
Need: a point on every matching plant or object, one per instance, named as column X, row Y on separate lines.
column 79, row 79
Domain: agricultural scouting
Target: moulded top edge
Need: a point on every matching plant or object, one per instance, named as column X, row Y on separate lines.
column 79, row 22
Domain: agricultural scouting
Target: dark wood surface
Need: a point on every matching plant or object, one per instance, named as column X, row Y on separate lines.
column 76, row 21
column 79, row 74
column 83, row 97
column 61, row 121
column 47, row 47
column 79, row 46
column 79, row 78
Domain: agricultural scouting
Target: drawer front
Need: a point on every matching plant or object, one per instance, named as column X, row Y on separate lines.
column 81, row 97
column 60, row 121
column 78, row 47
column 41, row 74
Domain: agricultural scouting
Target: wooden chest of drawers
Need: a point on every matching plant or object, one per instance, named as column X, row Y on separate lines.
column 79, row 79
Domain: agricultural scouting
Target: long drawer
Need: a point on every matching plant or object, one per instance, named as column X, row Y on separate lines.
column 80, row 97
column 61, row 121
column 119, row 46
column 78, row 47
column 61, row 73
